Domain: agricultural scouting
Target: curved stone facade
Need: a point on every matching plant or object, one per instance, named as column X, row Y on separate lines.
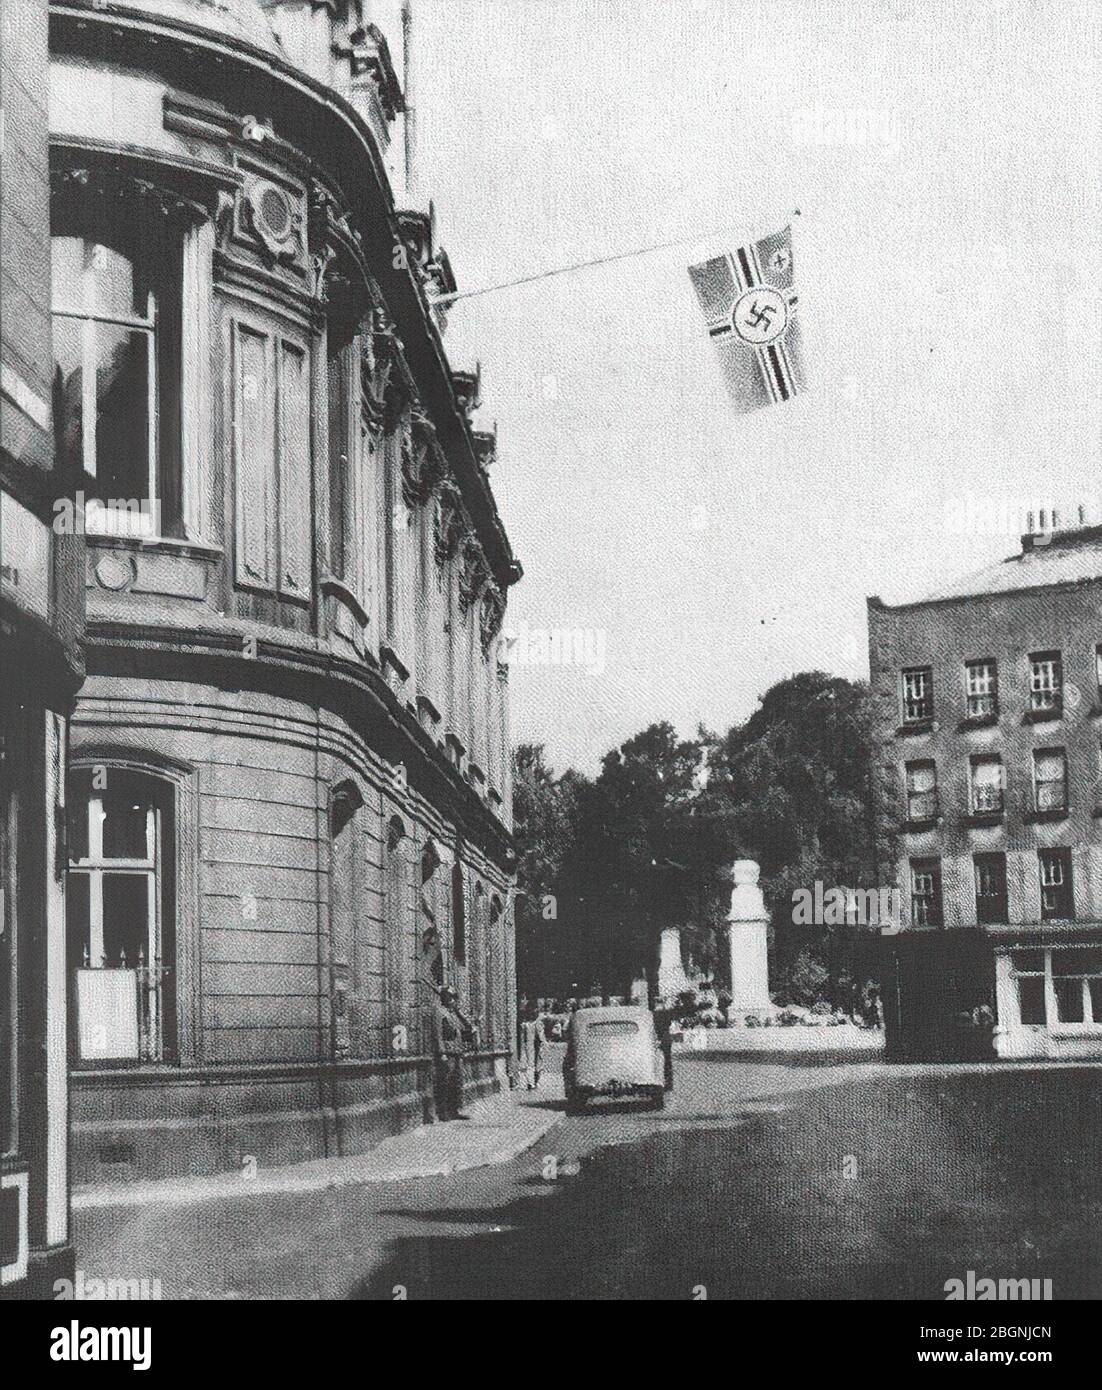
column 289, row 790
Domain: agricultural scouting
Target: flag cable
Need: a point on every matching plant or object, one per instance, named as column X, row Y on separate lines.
column 445, row 301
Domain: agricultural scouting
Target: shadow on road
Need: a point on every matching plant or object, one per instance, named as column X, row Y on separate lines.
column 880, row 1189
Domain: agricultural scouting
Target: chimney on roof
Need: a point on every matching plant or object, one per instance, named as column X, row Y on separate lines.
column 1045, row 522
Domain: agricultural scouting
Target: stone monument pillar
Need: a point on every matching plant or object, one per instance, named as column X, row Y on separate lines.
column 747, row 932
column 672, row 979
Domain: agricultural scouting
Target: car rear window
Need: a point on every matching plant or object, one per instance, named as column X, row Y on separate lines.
column 614, row 1025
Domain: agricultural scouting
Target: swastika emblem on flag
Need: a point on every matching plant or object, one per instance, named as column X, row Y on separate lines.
column 749, row 302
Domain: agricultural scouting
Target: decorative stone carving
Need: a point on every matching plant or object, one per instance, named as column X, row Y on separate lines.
column 491, row 614
column 429, row 262
column 474, row 572
column 449, row 523
column 423, row 462
column 485, row 446
column 371, row 64
column 468, row 389
column 274, row 218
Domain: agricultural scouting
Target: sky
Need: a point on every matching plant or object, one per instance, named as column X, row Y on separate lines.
column 944, row 160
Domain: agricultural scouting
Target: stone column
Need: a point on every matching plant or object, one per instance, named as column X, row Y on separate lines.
column 672, row 979
column 747, row 930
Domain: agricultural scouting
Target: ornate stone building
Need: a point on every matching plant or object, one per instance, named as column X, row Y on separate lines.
column 41, row 604
column 289, row 799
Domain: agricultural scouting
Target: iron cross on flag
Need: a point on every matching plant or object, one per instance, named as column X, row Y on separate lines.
column 749, row 304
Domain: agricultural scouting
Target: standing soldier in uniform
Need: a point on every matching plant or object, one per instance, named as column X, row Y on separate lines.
column 448, row 1029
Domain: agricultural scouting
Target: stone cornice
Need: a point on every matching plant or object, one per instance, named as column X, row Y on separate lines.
column 356, row 692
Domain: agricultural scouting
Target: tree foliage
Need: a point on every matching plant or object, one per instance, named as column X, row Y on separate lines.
column 648, row 844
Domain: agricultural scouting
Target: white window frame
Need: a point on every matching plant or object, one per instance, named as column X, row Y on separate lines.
column 913, row 793
column 1053, row 1024
column 1057, row 860
column 104, row 521
column 934, row 896
column 1045, row 677
column 1042, row 784
column 981, row 685
column 981, row 801
column 977, row 874
column 96, row 866
column 917, row 685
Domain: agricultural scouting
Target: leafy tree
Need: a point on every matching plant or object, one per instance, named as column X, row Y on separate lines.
column 648, row 845
column 798, row 774
column 544, row 815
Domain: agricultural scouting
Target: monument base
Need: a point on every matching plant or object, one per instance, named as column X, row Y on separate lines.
column 750, row 1018
column 844, row 1042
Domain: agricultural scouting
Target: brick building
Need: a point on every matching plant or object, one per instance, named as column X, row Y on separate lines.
column 41, row 603
column 289, row 795
column 988, row 800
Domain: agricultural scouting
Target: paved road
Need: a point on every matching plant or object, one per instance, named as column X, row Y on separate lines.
column 756, row 1182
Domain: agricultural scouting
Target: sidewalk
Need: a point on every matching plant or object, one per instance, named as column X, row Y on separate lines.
column 497, row 1132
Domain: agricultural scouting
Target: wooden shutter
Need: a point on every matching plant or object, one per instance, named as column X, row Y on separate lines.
column 295, row 493
column 254, row 458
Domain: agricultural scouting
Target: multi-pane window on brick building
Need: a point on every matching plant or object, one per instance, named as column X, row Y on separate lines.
column 1045, row 682
column 985, row 785
column 981, row 680
column 1057, row 902
column 1050, row 779
column 918, row 694
column 921, row 784
column 991, row 898
column 926, row 907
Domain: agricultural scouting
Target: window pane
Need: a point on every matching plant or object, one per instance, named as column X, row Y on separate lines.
column 125, row 918
column 124, row 825
column 116, row 290
column 76, row 917
column 67, row 267
column 1028, row 961
column 1031, row 999
column 1050, row 765
column 122, row 406
column 77, row 815
column 1069, row 1000
column 921, row 776
column 68, row 390
column 1095, row 987
column 1082, row 960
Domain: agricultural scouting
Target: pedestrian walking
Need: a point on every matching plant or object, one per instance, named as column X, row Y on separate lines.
column 530, row 1042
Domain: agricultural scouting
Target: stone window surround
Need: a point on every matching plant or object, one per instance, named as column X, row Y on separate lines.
column 182, row 780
